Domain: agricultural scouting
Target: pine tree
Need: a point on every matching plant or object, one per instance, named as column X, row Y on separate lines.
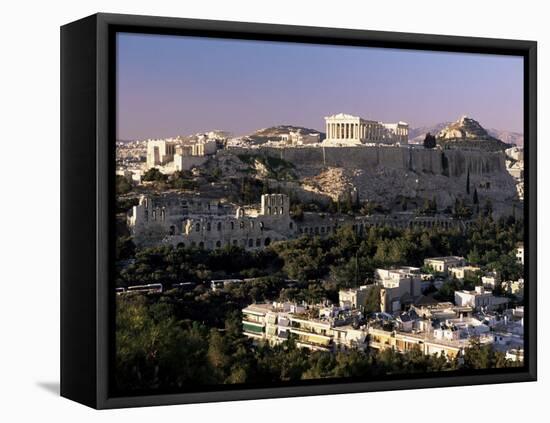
column 429, row 141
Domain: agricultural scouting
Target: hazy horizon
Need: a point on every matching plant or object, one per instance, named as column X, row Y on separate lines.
column 176, row 85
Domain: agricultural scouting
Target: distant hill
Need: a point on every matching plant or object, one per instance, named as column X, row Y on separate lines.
column 417, row 135
column 273, row 133
column 508, row 137
column 466, row 132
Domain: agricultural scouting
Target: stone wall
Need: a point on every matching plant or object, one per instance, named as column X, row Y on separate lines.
column 453, row 163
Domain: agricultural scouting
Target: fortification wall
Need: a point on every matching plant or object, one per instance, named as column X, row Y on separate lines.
column 454, row 163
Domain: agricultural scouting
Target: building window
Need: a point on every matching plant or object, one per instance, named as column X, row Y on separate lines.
column 267, row 242
column 282, row 210
column 242, row 225
column 258, row 242
column 172, row 230
column 208, row 226
column 146, row 215
column 201, row 244
column 250, row 242
column 219, row 226
column 232, row 225
column 291, row 225
column 218, row 244
column 198, row 227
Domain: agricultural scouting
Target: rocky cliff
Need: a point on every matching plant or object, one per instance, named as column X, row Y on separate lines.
column 392, row 176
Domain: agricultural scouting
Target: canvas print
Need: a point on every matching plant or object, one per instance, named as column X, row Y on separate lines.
column 291, row 213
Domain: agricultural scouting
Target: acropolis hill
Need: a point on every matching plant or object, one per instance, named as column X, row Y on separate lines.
column 370, row 159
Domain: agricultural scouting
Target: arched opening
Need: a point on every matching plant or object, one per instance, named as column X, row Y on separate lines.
column 218, row 244
column 291, row 225
column 258, row 242
column 201, row 244
column 180, row 245
column 267, row 241
column 219, row 226
column 172, row 230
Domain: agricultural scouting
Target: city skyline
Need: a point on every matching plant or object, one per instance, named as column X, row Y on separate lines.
column 241, row 86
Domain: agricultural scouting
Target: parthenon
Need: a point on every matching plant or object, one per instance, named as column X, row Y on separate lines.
column 346, row 130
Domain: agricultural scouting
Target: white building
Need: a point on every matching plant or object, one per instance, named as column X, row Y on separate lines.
column 347, row 130
column 355, row 297
column 479, row 299
column 300, row 138
column 319, row 328
column 170, row 156
column 442, row 264
column 398, row 287
column 461, row 272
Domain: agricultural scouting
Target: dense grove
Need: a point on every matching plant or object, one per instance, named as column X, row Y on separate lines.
column 180, row 338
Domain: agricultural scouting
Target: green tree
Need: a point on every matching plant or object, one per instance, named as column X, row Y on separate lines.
column 122, row 185
column 429, row 141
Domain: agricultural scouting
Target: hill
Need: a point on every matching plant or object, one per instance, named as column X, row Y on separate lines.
column 274, row 133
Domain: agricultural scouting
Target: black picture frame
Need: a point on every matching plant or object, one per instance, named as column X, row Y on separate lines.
column 87, row 191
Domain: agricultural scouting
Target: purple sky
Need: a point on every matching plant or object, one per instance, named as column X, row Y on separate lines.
column 174, row 85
